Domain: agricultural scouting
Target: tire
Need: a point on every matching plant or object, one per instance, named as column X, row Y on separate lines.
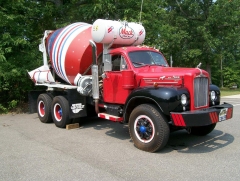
column 202, row 130
column 44, row 102
column 60, row 111
column 148, row 128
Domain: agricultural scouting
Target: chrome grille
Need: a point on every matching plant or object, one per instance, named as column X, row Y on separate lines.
column 200, row 91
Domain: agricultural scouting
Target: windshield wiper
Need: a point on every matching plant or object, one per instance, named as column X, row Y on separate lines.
column 162, row 65
column 142, row 64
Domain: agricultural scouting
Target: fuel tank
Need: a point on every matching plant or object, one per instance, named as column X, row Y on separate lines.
column 69, row 50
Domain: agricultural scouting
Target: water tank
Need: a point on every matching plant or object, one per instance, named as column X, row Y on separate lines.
column 123, row 33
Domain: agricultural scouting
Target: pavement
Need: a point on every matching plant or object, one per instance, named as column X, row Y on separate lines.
column 103, row 150
column 233, row 96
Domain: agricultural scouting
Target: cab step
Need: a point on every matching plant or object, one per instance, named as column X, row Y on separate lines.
column 110, row 117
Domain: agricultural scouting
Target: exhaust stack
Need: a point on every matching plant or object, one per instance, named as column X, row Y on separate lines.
column 95, row 81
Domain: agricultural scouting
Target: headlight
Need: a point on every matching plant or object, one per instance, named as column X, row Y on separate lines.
column 213, row 95
column 183, row 99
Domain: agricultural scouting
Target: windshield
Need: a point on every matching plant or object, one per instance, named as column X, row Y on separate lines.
column 142, row 58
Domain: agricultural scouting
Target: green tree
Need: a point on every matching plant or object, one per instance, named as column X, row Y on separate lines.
column 21, row 24
column 200, row 31
column 196, row 31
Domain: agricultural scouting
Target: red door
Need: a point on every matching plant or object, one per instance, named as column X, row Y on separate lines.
column 113, row 91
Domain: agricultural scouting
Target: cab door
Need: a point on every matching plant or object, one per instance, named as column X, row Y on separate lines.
column 113, row 91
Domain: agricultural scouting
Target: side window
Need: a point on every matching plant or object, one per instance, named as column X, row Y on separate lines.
column 118, row 63
column 123, row 64
column 116, row 60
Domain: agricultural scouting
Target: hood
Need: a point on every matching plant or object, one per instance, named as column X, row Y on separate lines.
column 151, row 75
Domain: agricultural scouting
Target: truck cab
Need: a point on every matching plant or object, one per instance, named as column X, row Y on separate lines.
column 140, row 77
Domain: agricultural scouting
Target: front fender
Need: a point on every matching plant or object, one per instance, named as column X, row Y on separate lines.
column 166, row 98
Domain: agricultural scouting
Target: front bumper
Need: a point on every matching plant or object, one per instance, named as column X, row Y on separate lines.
column 202, row 117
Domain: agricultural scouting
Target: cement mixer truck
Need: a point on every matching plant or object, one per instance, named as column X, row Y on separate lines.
column 104, row 70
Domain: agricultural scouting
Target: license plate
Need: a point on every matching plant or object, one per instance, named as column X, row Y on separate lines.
column 223, row 114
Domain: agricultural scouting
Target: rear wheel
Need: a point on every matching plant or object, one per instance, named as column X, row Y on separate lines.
column 202, row 130
column 60, row 111
column 148, row 128
column 44, row 102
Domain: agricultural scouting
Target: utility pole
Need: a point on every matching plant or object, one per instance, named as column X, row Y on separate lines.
column 221, row 71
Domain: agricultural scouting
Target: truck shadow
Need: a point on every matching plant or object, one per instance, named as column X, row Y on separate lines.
column 179, row 141
column 182, row 142
column 113, row 129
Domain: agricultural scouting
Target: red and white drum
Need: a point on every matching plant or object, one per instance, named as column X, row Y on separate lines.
column 69, row 50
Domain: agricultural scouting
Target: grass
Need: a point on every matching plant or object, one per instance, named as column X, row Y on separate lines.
column 229, row 92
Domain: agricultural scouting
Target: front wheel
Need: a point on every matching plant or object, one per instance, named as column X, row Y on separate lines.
column 148, row 128
column 202, row 130
column 60, row 111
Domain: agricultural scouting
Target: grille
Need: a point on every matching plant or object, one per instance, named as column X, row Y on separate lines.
column 200, row 92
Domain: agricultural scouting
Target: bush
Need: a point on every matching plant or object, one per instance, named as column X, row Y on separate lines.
column 3, row 109
column 231, row 77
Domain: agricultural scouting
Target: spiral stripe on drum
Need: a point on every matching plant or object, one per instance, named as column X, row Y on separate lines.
column 65, row 47
column 57, row 45
column 56, row 53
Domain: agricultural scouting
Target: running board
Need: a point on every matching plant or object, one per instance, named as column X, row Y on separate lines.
column 110, row 117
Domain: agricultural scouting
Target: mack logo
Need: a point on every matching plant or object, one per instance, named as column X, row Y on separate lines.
column 77, row 107
column 126, row 32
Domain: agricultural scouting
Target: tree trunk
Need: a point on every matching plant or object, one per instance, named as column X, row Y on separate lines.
column 221, row 72
column 208, row 67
